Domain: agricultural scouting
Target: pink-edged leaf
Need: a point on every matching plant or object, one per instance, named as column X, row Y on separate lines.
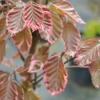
column 15, row 20
column 8, row 63
column 8, row 90
column 3, row 76
column 47, row 25
column 71, row 38
column 20, row 92
column 88, row 52
column 2, row 49
column 34, row 62
column 23, row 40
column 33, row 15
column 63, row 7
column 54, row 75
column 57, row 29
column 94, row 69
column 2, row 26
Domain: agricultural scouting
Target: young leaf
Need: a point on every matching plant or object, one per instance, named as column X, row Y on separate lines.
column 23, row 40
column 8, row 90
column 8, row 63
column 54, row 75
column 2, row 26
column 94, row 69
column 57, row 29
column 15, row 20
column 33, row 15
column 63, row 7
column 20, row 92
column 3, row 76
column 35, row 62
column 31, row 96
column 2, row 49
column 71, row 38
column 46, row 27
column 88, row 52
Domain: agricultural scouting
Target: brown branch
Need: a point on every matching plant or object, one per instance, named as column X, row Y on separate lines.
column 69, row 60
column 35, row 38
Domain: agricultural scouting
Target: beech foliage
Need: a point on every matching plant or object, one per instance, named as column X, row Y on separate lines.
column 24, row 23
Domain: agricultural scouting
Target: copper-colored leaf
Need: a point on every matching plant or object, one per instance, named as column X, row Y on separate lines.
column 32, row 64
column 2, row 49
column 63, row 7
column 8, row 90
column 33, row 15
column 8, row 63
column 20, row 92
column 3, row 76
column 15, row 20
column 88, row 52
column 35, row 62
column 57, row 29
column 47, row 25
column 71, row 38
column 2, row 26
column 94, row 69
column 54, row 75
column 23, row 40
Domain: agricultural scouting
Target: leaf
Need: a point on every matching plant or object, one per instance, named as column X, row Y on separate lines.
column 2, row 49
column 15, row 20
column 63, row 7
column 31, row 96
column 33, row 15
column 54, row 75
column 57, row 29
column 94, row 69
column 2, row 26
column 71, row 38
column 20, row 92
column 23, row 40
column 3, row 76
column 46, row 27
column 88, row 52
column 8, row 90
column 8, row 63
column 34, row 62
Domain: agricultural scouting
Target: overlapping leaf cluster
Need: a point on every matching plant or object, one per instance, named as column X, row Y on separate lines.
column 18, row 22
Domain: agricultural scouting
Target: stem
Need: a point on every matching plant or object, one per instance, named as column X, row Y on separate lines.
column 35, row 38
column 69, row 60
column 46, row 2
column 21, row 56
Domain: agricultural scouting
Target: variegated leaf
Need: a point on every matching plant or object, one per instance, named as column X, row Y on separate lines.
column 2, row 26
column 57, row 29
column 94, row 69
column 2, row 49
column 8, row 63
column 63, row 7
column 23, row 40
column 33, row 15
column 47, row 25
column 71, row 37
column 20, row 92
column 3, row 76
column 8, row 90
column 15, row 20
column 88, row 52
column 54, row 75
column 35, row 62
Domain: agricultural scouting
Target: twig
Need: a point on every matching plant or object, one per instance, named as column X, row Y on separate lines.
column 69, row 60
column 21, row 56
